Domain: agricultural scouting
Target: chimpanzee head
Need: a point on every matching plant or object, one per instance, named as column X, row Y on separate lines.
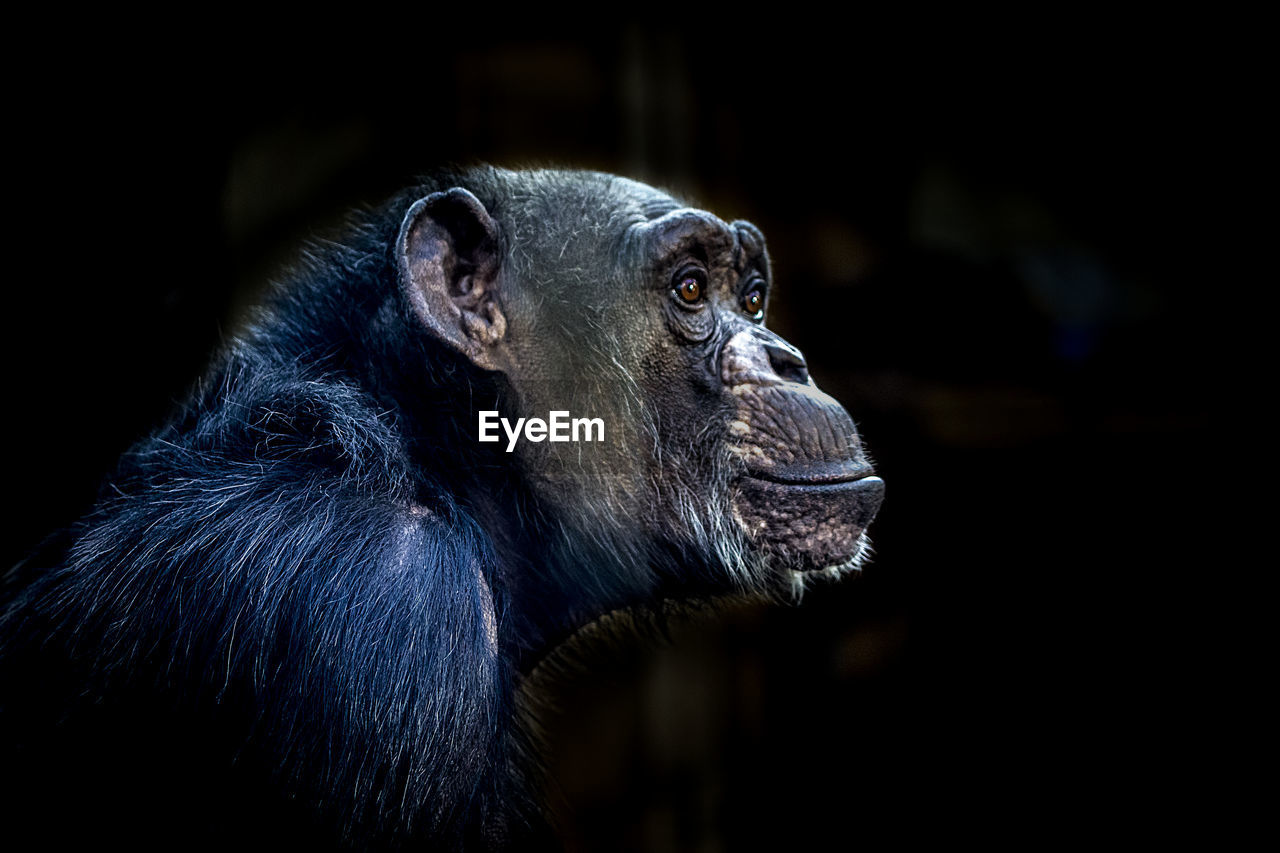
column 722, row 464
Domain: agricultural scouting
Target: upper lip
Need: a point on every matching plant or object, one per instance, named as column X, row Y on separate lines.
column 817, row 475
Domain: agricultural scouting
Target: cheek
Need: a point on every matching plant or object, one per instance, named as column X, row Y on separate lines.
column 684, row 396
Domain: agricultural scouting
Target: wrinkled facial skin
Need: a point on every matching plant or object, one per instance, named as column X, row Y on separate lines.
column 801, row 487
column 718, row 442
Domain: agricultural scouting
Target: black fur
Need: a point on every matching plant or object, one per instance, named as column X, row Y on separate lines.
column 292, row 566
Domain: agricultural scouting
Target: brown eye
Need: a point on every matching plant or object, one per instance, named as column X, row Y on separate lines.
column 753, row 304
column 689, row 287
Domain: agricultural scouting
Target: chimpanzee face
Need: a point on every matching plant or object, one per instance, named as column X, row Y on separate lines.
column 651, row 317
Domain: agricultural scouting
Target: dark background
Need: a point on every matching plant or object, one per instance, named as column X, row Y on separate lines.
column 993, row 249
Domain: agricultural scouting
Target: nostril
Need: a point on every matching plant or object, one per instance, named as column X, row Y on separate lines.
column 787, row 362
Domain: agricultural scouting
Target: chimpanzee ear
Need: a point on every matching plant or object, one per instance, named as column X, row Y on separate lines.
column 449, row 260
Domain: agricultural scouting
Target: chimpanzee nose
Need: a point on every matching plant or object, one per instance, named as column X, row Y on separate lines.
column 757, row 356
column 787, row 361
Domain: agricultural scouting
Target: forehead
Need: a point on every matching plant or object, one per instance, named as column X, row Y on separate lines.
column 574, row 198
column 571, row 219
column 643, row 199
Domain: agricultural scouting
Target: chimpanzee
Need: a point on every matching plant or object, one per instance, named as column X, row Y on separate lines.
column 301, row 610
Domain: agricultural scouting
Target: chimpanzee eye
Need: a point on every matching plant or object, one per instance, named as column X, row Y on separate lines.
column 753, row 303
column 690, row 285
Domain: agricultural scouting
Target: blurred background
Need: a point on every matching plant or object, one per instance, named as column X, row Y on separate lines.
column 994, row 250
